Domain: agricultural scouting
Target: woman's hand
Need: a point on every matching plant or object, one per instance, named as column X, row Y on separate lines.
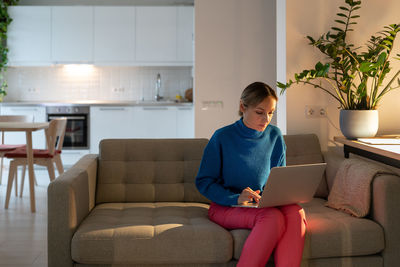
column 248, row 195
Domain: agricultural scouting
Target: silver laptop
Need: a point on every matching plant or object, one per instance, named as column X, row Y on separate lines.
column 290, row 185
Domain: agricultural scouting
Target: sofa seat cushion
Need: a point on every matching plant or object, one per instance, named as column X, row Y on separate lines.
column 144, row 233
column 330, row 233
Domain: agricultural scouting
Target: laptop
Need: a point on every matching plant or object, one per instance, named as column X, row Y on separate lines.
column 290, row 185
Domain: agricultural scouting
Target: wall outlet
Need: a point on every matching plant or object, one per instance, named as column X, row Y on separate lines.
column 32, row 90
column 118, row 90
column 314, row 111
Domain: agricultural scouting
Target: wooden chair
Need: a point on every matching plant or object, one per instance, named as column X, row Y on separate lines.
column 44, row 157
column 5, row 148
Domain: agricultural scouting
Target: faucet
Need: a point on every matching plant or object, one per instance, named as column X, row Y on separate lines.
column 158, row 87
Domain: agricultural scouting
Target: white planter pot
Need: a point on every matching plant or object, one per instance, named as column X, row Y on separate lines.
column 359, row 123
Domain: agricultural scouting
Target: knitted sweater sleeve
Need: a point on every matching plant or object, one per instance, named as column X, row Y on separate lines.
column 209, row 179
column 281, row 147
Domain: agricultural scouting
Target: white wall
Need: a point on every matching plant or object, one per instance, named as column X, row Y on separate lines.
column 235, row 45
column 315, row 17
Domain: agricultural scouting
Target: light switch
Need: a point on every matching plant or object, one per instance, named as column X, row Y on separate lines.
column 212, row 104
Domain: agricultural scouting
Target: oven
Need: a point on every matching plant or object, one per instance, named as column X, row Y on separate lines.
column 77, row 130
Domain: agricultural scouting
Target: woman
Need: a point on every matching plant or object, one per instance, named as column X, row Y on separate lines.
column 234, row 169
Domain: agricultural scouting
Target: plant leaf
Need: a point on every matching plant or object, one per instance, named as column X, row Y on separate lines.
column 337, row 29
column 381, row 58
column 366, row 66
column 319, row 66
column 341, row 22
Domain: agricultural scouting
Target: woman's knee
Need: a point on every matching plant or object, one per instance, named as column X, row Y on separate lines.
column 293, row 214
column 292, row 210
column 272, row 217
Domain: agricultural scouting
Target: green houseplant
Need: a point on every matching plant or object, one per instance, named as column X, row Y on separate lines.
column 5, row 20
column 351, row 75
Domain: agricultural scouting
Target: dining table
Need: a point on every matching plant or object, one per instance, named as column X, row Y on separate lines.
column 28, row 128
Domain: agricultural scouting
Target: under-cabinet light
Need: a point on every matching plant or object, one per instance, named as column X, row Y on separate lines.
column 78, row 69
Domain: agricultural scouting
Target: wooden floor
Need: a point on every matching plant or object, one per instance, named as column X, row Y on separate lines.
column 23, row 235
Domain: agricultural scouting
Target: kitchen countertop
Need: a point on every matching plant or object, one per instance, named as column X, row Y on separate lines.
column 96, row 103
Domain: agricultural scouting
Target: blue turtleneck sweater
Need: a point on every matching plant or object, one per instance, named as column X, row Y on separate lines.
column 237, row 157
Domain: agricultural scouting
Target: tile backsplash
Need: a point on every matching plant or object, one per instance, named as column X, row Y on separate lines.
column 87, row 82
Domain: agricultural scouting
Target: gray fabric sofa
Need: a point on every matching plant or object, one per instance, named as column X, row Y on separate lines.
column 136, row 204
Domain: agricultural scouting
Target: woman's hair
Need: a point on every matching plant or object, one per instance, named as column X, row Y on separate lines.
column 255, row 93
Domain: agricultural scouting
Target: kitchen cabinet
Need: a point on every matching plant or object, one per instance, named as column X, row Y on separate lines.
column 140, row 122
column 103, row 35
column 164, row 35
column 155, row 122
column 110, row 122
column 185, row 31
column 70, row 157
column 185, row 122
column 72, row 34
column 156, row 34
column 29, row 35
column 39, row 115
column 114, row 35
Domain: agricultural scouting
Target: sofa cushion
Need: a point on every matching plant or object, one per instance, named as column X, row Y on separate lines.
column 333, row 233
column 305, row 149
column 330, row 233
column 149, row 170
column 157, row 233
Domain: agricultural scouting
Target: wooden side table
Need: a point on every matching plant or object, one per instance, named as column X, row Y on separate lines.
column 388, row 154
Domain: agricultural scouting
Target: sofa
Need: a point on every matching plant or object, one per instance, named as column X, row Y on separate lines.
column 136, row 204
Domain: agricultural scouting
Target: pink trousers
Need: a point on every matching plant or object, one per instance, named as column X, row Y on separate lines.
column 280, row 228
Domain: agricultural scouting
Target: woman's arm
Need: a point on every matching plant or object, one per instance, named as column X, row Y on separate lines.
column 209, row 179
column 278, row 158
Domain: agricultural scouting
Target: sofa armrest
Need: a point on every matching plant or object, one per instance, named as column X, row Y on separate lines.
column 386, row 211
column 333, row 160
column 70, row 199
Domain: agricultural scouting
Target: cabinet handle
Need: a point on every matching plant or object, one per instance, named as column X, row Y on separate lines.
column 155, row 108
column 24, row 109
column 68, row 117
column 70, row 153
column 104, row 109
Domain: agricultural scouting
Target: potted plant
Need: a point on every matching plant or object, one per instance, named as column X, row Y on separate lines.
column 353, row 76
column 5, row 20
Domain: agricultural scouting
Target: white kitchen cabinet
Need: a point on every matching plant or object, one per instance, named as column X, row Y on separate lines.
column 185, row 122
column 185, row 34
column 140, row 122
column 164, row 35
column 156, row 34
column 114, row 34
column 155, row 122
column 104, row 35
column 110, row 122
column 72, row 34
column 70, row 157
column 39, row 115
column 29, row 36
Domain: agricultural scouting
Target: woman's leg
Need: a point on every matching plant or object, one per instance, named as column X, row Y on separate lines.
column 289, row 250
column 267, row 224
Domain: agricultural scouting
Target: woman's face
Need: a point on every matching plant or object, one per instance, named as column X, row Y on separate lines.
column 258, row 117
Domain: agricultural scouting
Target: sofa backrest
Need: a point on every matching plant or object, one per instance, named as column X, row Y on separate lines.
column 305, row 149
column 149, row 170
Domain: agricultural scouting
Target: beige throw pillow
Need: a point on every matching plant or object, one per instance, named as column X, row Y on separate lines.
column 351, row 190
